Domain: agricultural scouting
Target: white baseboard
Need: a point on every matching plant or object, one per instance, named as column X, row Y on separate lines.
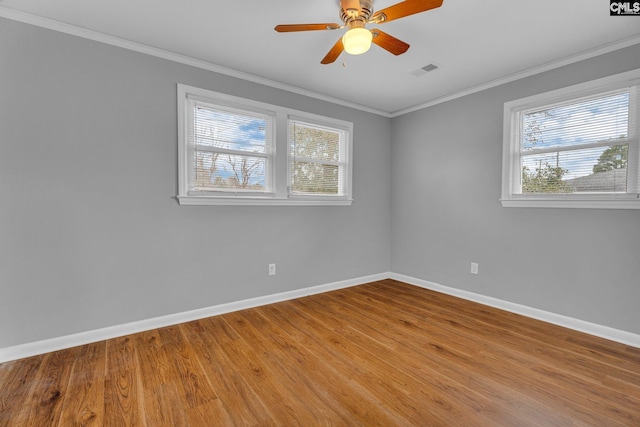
column 68, row 341
column 606, row 332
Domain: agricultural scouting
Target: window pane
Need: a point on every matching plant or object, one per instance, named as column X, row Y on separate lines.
column 601, row 169
column 315, row 158
column 314, row 142
column 314, row 178
column 232, row 151
column 232, row 131
column 215, row 171
column 588, row 121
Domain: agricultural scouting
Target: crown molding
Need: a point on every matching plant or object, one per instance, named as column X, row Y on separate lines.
column 601, row 50
column 62, row 27
column 73, row 30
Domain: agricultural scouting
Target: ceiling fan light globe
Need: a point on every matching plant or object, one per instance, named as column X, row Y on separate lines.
column 357, row 41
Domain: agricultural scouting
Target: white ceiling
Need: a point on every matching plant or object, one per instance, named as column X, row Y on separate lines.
column 475, row 43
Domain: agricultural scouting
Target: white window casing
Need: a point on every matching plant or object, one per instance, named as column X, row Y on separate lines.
column 318, row 158
column 236, row 151
column 576, row 147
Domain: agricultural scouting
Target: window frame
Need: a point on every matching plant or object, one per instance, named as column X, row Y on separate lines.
column 268, row 155
column 511, row 163
column 342, row 163
column 277, row 155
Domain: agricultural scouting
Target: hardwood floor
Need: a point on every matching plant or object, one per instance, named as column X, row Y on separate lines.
column 384, row 353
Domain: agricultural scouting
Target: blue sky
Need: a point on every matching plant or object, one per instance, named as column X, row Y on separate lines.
column 589, row 121
column 231, row 131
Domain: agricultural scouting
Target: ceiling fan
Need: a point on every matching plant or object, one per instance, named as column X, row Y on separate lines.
column 355, row 14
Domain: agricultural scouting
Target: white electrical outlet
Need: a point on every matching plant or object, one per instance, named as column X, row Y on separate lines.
column 474, row 268
column 272, row 269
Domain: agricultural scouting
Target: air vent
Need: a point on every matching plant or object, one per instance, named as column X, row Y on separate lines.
column 424, row 70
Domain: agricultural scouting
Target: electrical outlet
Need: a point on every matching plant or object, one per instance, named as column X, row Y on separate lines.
column 474, row 268
column 272, row 269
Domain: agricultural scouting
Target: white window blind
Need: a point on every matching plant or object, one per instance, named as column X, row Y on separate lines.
column 317, row 159
column 242, row 152
column 580, row 146
column 232, row 148
column 574, row 147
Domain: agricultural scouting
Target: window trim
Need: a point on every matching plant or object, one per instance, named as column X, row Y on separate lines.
column 345, row 160
column 279, row 194
column 511, row 147
column 268, row 155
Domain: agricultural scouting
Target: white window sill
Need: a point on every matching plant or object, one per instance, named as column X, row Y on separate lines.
column 571, row 203
column 261, row 201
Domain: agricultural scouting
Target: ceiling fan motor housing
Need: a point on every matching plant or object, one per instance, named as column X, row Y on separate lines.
column 366, row 9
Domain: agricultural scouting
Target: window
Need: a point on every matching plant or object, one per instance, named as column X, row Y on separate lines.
column 232, row 149
column 242, row 152
column 316, row 159
column 576, row 147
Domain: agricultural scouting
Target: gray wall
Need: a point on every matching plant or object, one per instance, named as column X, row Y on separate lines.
column 446, row 179
column 90, row 232
column 91, row 235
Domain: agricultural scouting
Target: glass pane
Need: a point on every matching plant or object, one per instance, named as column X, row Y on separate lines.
column 232, row 131
column 602, row 169
column 584, row 122
column 314, row 178
column 314, row 142
column 215, row 171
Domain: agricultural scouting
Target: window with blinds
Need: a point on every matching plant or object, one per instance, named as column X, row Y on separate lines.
column 236, row 151
column 579, row 146
column 576, row 147
column 316, row 159
column 231, row 148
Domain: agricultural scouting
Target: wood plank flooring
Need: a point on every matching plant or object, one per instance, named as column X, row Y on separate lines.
column 385, row 353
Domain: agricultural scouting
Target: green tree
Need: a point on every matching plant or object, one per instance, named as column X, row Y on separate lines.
column 614, row 157
column 547, row 179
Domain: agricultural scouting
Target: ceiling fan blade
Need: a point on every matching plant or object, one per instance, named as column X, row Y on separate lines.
column 404, row 8
column 287, row 28
column 350, row 7
column 333, row 54
column 388, row 42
